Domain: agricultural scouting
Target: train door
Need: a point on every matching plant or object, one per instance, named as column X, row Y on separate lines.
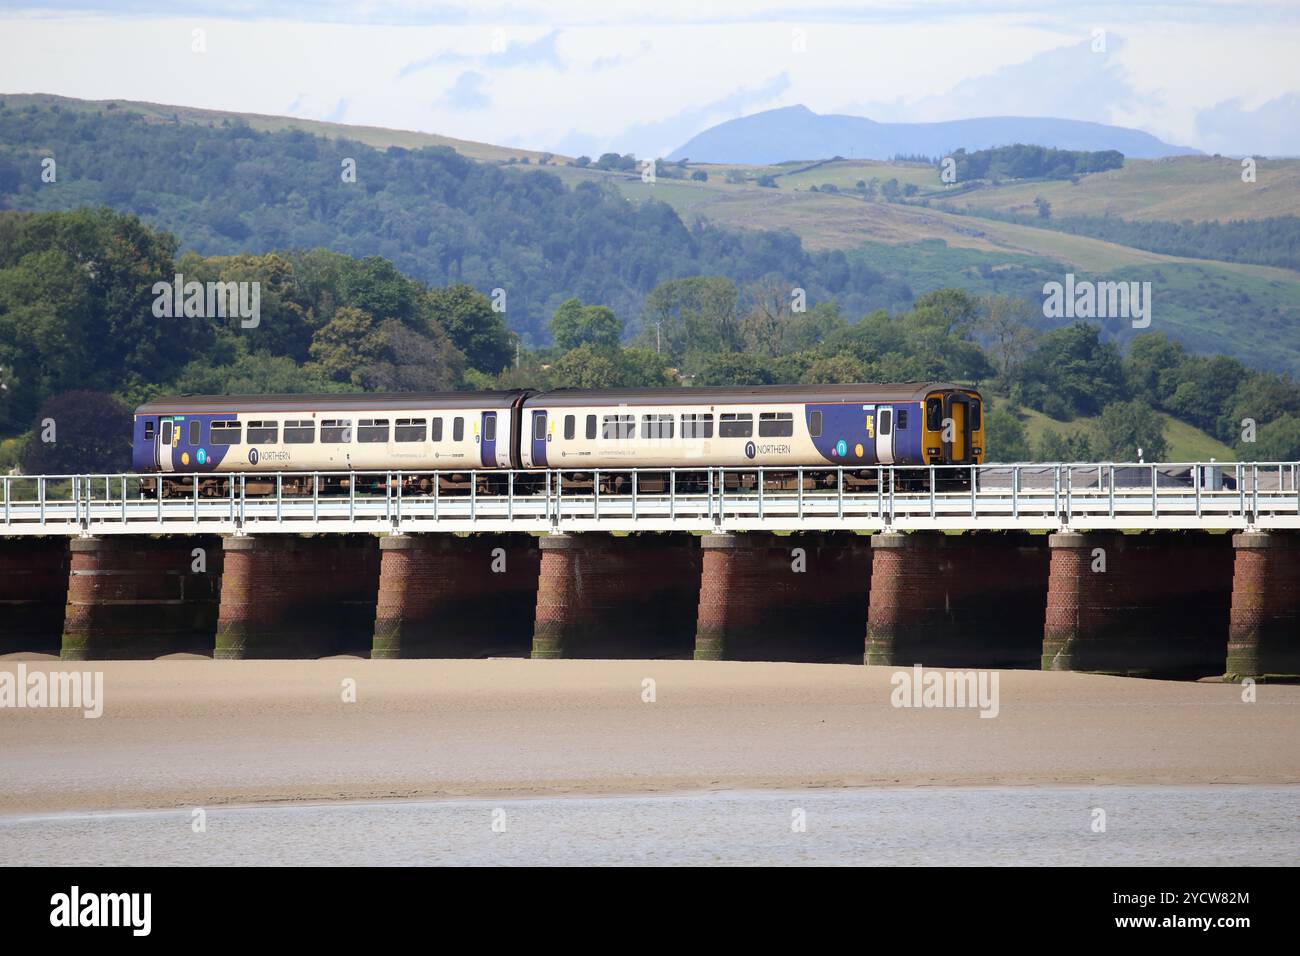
column 488, row 439
column 163, row 449
column 885, row 434
column 957, row 412
column 539, row 439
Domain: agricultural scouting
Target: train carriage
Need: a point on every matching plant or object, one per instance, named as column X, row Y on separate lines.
column 458, row 434
column 457, row 438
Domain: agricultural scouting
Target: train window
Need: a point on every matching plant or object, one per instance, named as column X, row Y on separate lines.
column 656, row 426
column 735, row 425
column 934, row 414
column 148, row 431
column 224, row 433
column 336, row 431
column 436, row 431
column 259, row 433
column 697, row 426
column 196, row 429
column 539, row 426
column 815, row 424
column 373, row 430
column 776, row 424
column 974, row 415
column 165, row 432
column 902, row 419
column 299, row 432
column 886, row 421
column 570, row 427
column 618, row 426
column 490, row 427
column 458, row 429
column 591, row 427
column 413, row 429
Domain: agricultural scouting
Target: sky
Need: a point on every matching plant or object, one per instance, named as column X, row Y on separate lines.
column 643, row 77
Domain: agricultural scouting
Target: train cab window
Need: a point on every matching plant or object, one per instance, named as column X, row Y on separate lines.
column 776, row 424
column 490, row 427
column 196, row 430
column 299, row 431
column 974, row 415
column 934, row 414
column 373, row 431
column 336, row 431
column 224, row 433
column 815, row 424
column 259, row 433
column 618, row 426
column 656, row 426
column 539, row 426
column 591, row 428
column 148, row 431
column 412, row 429
column 435, row 430
column 735, row 425
column 458, row 429
column 570, row 427
column 697, row 426
column 902, row 419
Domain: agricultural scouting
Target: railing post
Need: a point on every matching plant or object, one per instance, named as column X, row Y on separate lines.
column 760, row 493
column 510, row 495
column 595, row 489
column 799, row 481
column 672, row 494
column 1155, row 504
column 635, row 474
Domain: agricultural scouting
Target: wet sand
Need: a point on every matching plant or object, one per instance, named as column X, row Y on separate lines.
column 178, row 733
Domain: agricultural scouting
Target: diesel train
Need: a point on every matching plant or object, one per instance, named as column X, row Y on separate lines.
column 456, row 439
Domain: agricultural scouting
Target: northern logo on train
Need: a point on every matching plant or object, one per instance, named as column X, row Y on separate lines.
column 750, row 450
column 252, row 456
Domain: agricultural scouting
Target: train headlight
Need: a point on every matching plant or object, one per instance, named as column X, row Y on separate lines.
column 932, row 451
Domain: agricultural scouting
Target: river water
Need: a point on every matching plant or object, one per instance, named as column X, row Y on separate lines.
column 1104, row 825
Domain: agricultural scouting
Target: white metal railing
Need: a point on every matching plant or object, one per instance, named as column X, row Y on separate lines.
column 1026, row 496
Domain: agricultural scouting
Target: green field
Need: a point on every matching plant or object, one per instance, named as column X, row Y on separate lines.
column 1186, row 442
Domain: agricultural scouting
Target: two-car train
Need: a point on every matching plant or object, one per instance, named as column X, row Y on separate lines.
column 459, row 438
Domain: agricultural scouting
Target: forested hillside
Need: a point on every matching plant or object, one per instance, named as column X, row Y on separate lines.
column 436, row 215
column 81, row 341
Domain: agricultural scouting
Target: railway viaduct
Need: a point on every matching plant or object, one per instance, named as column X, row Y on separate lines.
column 1091, row 568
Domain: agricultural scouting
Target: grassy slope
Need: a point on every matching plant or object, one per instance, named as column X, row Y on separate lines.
column 375, row 136
column 1186, row 442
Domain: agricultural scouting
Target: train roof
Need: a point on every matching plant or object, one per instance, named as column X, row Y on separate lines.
column 343, row 401
column 730, row 395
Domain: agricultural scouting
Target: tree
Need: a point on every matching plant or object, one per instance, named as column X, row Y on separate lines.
column 1278, row 440
column 409, row 362
column 1005, row 437
column 691, row 315
column 1007, row 323
column 1125, row 427
column 700, row 176
column 575, row 324
column 77, row 432
column 474, row 327
column 1071, row 372
column 351, row 340
column 1150, row 367
column 1056, row 447
column 1044, row 207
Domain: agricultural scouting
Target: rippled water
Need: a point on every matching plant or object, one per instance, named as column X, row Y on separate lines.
column 1228, row 825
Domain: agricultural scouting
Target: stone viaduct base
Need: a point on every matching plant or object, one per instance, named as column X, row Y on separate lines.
column 968, row 600
column 443, row 595
column 801, row 597
column 600, row 595
column 33, row 593
column 1264, row 624
column 139, row 597
column 285, row 596
column 1142, row 605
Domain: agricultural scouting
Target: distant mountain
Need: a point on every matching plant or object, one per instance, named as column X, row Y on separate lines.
column 796, row 132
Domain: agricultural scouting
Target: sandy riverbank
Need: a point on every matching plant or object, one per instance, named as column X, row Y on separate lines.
column 196, row 732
